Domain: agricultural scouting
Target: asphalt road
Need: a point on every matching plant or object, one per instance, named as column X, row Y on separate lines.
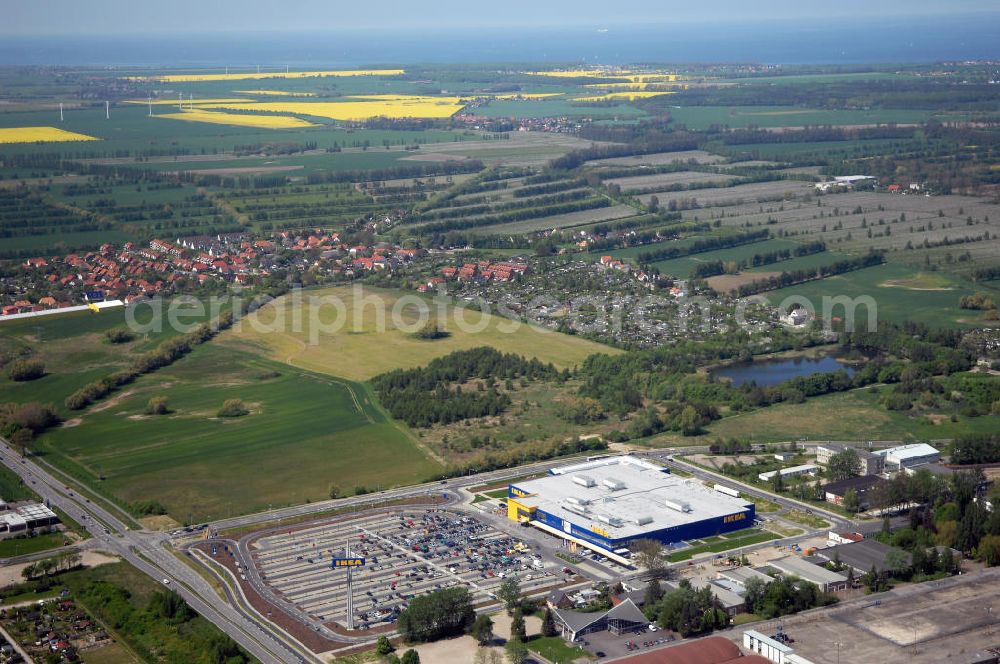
column 147, row 552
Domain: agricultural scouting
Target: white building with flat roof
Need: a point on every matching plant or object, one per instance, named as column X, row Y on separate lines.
column 613, row 500
column 794, row 471
column 905, row 456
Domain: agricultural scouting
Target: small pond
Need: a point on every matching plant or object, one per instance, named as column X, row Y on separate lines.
column 771, row 372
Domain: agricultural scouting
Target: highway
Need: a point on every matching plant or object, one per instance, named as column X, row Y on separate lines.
column 159, row 554
column 147, row 552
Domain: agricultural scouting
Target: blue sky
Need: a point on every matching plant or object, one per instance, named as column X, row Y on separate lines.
column 95, row 17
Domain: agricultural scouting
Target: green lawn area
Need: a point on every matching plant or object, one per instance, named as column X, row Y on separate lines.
column 555, row 649
column 305, row 433
column 20, row 546
column 896, row 298
column 853, row 415
column 74, row 350
column 114, row 653
column 808, row 520
column 734, row 541
column 681, row 267
column 499, row 493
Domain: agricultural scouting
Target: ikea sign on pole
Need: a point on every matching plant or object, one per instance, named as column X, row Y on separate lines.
column 347, row 562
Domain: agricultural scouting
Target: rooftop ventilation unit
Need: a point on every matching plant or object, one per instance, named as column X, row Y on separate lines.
column 582, row 511
column 577, row 501
column 642, row 520
column 678, row 505
column 584, row 480
column 610, row 520
column 613, row 484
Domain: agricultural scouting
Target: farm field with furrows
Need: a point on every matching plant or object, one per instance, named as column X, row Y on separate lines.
column 740, row 194
column 303, row 431
column 362, row 348
column 659, row 159
column 681, row 267
column 567, row 220
column 363, row 108
column 912, row 229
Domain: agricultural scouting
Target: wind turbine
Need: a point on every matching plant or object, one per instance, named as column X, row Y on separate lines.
column 150, row 99
column 60, row 112
column 107, row 110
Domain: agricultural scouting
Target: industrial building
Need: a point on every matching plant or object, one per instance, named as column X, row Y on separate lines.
column 864, row 555
column 794, row 566
column 868, row 463
column 606, row 503
column 863, row 487
column 786, row 473
column 905, row 456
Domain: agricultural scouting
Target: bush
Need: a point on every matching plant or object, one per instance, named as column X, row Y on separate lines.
column 233, row 408
column 24, row 370
column 119, row 335
column 34, row 416
column 149, row 507
column 157, row 406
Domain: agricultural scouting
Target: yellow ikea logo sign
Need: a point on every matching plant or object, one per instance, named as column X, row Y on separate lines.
column 599, row 531
column 348, row 562
column 734, row 517
column 517, row 492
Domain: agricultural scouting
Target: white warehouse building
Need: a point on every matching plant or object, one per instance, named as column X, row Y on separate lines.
column 906, row 456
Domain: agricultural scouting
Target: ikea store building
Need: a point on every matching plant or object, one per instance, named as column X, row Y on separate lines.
column 606, row 503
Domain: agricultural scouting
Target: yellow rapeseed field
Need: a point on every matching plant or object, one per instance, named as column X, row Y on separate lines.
column 187, row 101
column 389, row 106
column 272, row 93
column 627, row 96
column 41, row 135
column 238, row 119
column 252, row 76
column 526, row 95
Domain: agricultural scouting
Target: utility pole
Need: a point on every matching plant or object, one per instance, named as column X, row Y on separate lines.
column 350, row 589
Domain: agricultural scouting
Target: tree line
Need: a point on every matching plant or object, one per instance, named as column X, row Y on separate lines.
column 702, row 245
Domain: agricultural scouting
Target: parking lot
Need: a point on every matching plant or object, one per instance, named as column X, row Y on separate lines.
column 406, row 554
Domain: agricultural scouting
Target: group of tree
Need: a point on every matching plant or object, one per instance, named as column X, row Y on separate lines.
column 434, row 394
column 783, row 596
column 437, row 615
column 22, row 422
column 26, row 369
column 975, row 449
column 978, row 301
column 49, row 566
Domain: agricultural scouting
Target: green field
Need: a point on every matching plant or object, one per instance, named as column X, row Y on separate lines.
column 363, row 347
column 74, row 351
column 854, row 415
column 935, row 307
column 305, row 432
column 703, row 117
column 554, row 108
column 681, row 267
column 130, row 129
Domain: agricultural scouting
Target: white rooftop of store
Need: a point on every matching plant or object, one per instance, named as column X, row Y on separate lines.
column 626, row 496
